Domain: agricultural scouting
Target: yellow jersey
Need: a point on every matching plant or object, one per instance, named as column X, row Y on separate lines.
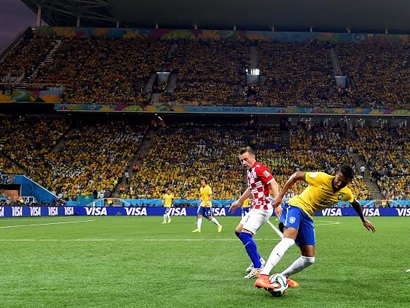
column 168, row 198
column 246, row 203
column 206, row 193
column 320, row 194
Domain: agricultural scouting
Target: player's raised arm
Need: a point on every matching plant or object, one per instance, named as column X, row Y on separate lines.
column 366, row 223
column 297, row 176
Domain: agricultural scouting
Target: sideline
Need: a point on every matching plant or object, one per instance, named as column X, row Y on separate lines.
column 47, row 224
column 128, row 240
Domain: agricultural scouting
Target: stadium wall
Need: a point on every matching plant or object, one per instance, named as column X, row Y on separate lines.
column 89, row 201
column 127, row 33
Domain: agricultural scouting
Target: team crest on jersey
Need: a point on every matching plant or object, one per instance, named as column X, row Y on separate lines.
column 292, row 220
column 266, row 173
column 340, row 197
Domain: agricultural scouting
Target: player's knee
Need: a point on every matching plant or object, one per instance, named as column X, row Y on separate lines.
column 245, row 237
column 308, row 260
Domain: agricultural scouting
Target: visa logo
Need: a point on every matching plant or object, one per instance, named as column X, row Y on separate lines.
column 332, row 212
column 96, row 211
column 16, row 211
column 52, row 211
column 35, row 211
column 177, row 211
column 69, row 211
column 403, row 212
column 219, row 211
column 136, row 211
column 371, row 212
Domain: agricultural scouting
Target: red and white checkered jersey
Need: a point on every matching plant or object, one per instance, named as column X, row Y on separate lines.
column 259, row 178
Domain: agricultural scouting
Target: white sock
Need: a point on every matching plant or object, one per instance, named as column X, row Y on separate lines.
column 215, row 221
column 277, row 254
column 299, row 265
column 165, row 217
column 169, row 217
column 199, row 223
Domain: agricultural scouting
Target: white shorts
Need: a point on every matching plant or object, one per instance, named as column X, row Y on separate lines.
column 254, row 220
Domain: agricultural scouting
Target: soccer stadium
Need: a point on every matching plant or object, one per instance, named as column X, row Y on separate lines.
column 116, row 115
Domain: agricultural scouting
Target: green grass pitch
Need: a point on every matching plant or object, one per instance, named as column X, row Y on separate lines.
column 138, row 262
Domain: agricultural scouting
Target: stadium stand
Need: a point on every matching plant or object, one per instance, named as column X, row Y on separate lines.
column 211, row 71
column 75, row 156
column 79, row 157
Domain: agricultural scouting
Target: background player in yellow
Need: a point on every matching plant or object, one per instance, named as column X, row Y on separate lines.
column 167, row 202
column 205, row 206
column 246, row 206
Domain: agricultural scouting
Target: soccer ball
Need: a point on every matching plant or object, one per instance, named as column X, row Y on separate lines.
column 281, row 281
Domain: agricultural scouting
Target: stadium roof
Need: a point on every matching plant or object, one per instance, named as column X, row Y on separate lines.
column 284, row 15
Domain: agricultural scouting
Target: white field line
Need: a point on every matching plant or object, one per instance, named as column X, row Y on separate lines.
column 127, row 240
column 280, row 234
column 47, row 224
column 327, row 223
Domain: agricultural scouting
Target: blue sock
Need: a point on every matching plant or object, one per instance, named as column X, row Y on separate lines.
column 251, row 249
column 238, row 234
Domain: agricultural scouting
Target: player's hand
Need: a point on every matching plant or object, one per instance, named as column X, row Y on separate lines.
column 277, row 202
column 369, row 226
column 233, row 207
column 278, row 211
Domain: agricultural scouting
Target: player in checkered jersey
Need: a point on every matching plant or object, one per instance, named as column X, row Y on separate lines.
column 260, row 184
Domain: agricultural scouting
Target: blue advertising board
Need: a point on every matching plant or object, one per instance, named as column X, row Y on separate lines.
column 42, row 211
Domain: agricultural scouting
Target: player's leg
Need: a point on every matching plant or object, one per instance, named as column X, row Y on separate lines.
column 305, row 260
column 200, row 213
column 165, row 215
column 306, row 241
column 289, row 236
column 199, row 222
column 169, row 215
column 209, row 215
column 255, row 219
column 238, row 231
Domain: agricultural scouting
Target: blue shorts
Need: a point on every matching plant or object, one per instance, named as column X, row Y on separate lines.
column 294, row 217
column 204, row 211
column 166, row 210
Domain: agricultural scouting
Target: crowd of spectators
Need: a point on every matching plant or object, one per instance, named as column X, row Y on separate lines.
column 104, row 70
column 22, row 59
column 380, row 73
column 296, row 74
column 212, row 72
column 26, row 142
column 73, row 157
column 177, row 162
column 386, row 152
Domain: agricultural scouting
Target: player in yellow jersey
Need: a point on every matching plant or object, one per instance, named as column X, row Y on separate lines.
column 167, row 202
column 323, row 191
column 205, row 207
column 246, row 206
